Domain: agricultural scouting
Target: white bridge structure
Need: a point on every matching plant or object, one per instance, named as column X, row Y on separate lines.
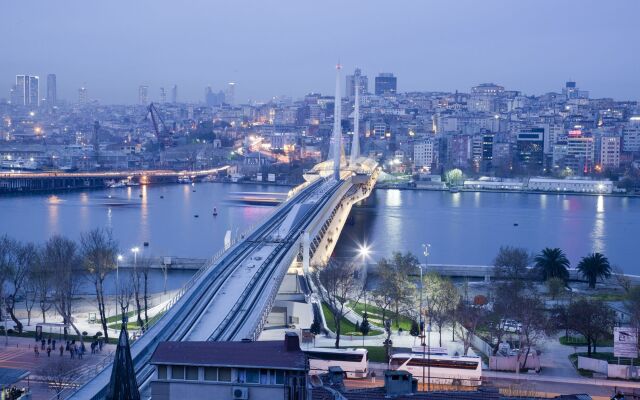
column 230, row 297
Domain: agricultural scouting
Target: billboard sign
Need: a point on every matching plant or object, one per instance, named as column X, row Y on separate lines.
column 625, row 342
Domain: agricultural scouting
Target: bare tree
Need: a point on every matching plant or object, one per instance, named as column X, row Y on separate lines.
column 25, row 257
column 442, row 299
column 469, row 318
column 144, row 268
column 41, row 279
column 99, row 252
column 136, row 284
column 336, row 283
column 593, row 319
column 8, row 255
column 126, row 295
column 60, row 256
column 59, row 373
column 533, row 322
column 395, row 280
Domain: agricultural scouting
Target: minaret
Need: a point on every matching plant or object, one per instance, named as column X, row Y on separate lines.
column 355, row 145
column 337, row 128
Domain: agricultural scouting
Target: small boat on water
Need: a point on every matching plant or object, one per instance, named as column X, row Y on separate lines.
column 215, row 211
column 116, row 184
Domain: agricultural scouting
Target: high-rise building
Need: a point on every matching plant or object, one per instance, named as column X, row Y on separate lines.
column 174, row 94
column 83, row 96
column 580, row 152
column 27, row 90
column 386, row 84
column 163, row 95
column 530, row 148
column 213, row 99
column 610, row 152
column 424, row 153
column 230, row 93
column 487, row 151
column 351, row 83
column 631, row 136
column 143, row 94
column 52, row 90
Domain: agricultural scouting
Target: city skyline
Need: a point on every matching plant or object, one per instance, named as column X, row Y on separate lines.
column 574, row 41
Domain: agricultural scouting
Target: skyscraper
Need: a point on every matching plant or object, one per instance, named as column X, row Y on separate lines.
column 386, row 83
column 230, row 95
column 83, row 96
column 52, row 90
column 356, row 78
column 163, row 96
column 174, row 94
column 143, row 95
column 27, row 90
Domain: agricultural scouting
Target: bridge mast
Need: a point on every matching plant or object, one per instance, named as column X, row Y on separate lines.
column 355, row 145
column 337, row 127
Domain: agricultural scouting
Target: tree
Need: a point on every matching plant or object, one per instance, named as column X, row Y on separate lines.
column 59, row 374
column 533, row 322
column 25, row 257
column 60, row 256
column 365, row 327
column 511, row 264
column 8, row 255
column 442, row 298
column 593, row 267
column 415, row 330
column 593, row 319
column 555, row 287
column 144, row 268
column 336, row 283
column 469, row 318
column 41, row 278
column 99, row 252
column 552, row 263
column 395, row 282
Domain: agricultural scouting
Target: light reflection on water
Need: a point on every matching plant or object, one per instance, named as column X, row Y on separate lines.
column 469, row 228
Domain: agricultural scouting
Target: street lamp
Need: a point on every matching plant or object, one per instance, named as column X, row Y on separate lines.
column 426, row 248
column 118, row 259
column 364, row 251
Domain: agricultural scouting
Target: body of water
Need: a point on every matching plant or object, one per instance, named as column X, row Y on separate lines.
column 462, row 228
column 470, row 227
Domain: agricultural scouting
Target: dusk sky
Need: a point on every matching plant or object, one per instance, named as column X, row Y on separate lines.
column 290, row 47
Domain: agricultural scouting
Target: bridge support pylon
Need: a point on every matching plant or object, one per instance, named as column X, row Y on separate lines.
column 306, row 252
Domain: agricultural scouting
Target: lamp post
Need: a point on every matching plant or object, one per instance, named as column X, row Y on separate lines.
column 118, row 259
column 364, row 252
column 426, row 247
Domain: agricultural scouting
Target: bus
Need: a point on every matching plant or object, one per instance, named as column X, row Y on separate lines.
column 445, row 369
column 354, row 362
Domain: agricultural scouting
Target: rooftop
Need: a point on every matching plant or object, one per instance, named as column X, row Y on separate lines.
column 264, row 354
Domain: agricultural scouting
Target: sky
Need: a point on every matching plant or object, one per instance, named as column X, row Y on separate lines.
column 290, row 47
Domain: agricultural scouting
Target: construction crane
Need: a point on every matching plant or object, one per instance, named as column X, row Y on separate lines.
column 163, row 134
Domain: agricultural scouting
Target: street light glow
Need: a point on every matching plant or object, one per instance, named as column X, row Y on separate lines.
column 364, row 250
column 135, row 249
column 119, row 257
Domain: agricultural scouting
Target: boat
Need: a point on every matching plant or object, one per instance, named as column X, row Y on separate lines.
column 116, row 184
column 184, row 179
column 454, row 189
column 215, row 211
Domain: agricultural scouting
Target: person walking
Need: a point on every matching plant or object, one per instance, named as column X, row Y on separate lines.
column 35, row 351
column 48, row 351
column 61, row 350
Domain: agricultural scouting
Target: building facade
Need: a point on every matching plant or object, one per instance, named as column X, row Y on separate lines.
column 386, row 83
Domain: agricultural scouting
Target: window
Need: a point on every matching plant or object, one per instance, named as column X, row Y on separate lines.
column 162, row 372
column 192, row 373
column 210, row 374
column 252, row 375
column 264, row 376
column 241, row 375
column 177, row 372
column 224, row 374
column 279, row 377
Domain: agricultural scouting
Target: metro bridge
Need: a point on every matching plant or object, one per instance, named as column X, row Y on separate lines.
column 230, row 298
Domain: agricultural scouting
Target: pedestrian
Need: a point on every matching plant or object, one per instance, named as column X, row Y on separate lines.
column 48, row 351
column 100, row 344
column 35, row 351
column 71, row 352
column 49, row 340
column 42, row 342
column 373, row 376
column 61, row 350
column 53, row 344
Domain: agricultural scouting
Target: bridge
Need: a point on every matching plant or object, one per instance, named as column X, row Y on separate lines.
column 230, row 298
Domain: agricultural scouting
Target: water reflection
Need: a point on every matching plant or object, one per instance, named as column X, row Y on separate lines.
column 600, row 204
column 394, row 198
column 455, row 199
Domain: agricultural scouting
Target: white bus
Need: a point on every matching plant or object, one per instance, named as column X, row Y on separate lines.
column 445, row 370
column 354, row 362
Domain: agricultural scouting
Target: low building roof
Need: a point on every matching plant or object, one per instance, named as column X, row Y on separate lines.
column 266, row 354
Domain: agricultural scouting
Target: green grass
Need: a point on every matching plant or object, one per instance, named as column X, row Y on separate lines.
column 580, row 341
column 118, row 318
column 132, row 324
column 375, row 316
column 609, row 296
column 346, row 326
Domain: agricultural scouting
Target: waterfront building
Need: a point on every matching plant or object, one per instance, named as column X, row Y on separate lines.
column 52, row 90
column 261, row 370
column 493, row 184
column 570, row 185
column 362, row 80
column 386, row 84
column 631, row 135
column 580, row 153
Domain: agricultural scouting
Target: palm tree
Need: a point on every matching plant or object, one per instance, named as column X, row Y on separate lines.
column 594, row 266
column 552, row 263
